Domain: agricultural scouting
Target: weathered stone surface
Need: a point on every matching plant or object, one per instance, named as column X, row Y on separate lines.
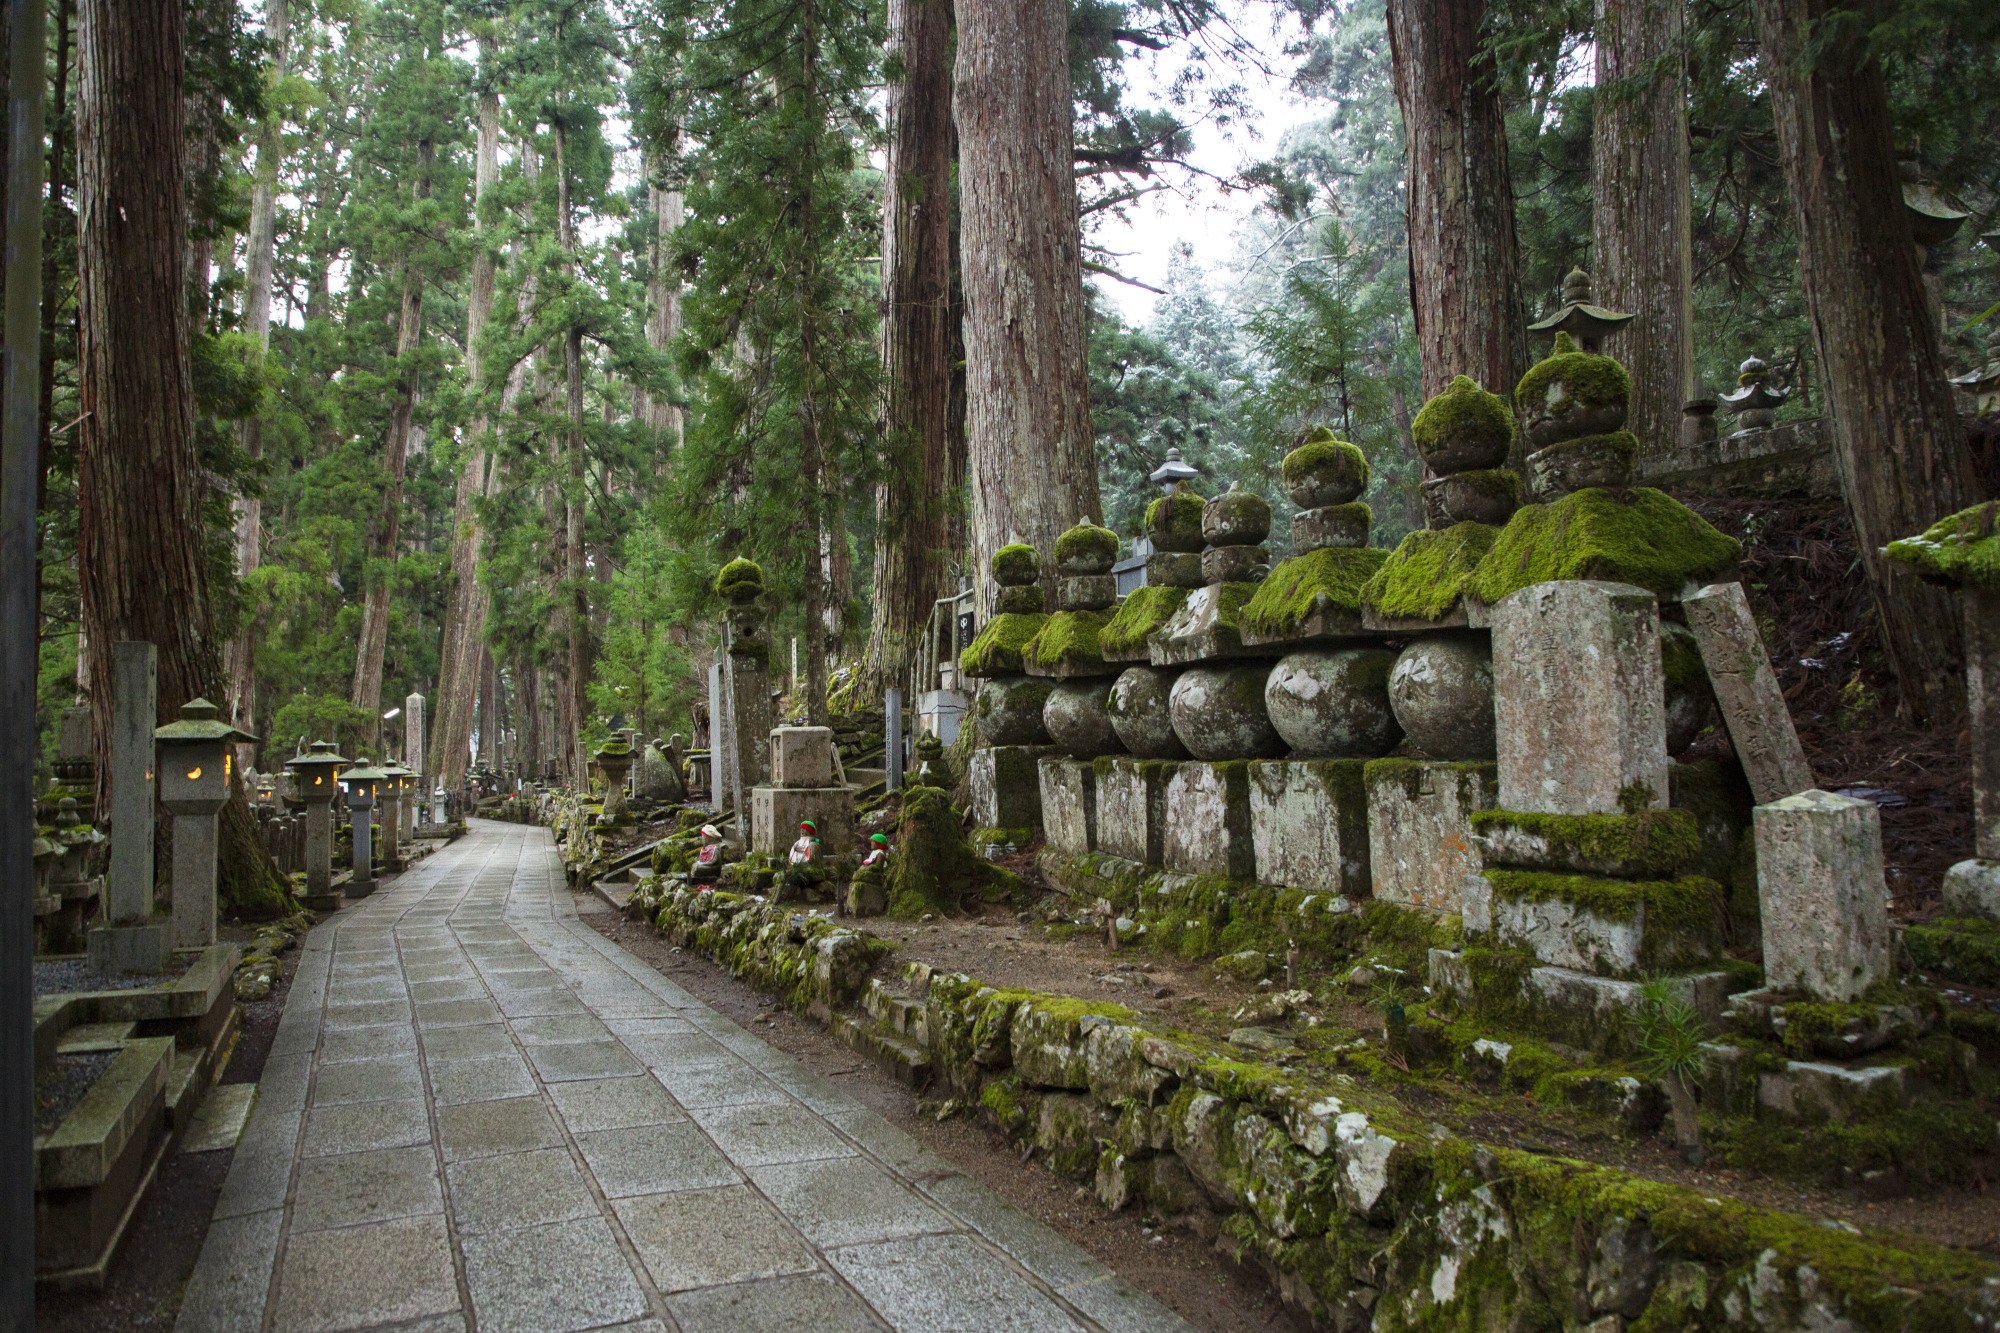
column 1006, row 786
column 1309, row 825
column 1236, row 518
column 1076, row 719
column 1174, row 569
column 1086, row 592
column 1207, row 626
column 1048, row 1039
column 1330, row 525
column 1219, row 713
column 801, row 756
column 1690, row 696
column 1132, row 808
column 1804, row 1090
column 1420, row 846
column 1441, row 691
column 1747, row 691
column 775, row 814
column 1334, row 703
column 1580, row 698
column 1572, row 465
column 659, row 778
column 1488, row 495
column 1069, row 804
column 1982, row 689
column 1208, row 820
column 1141, row 712
column 1972, row 888
column 1825, row 905
column 1608, row 927
column 1119, row 1073
column 1010, row 710
column 1235, row 564
column 1069, row 1128
column 1652, row 844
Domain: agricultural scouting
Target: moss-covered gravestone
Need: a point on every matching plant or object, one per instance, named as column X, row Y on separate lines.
column 1573, row 407
column 1012, row 735
column 1207, row 626
column 1464, row 434
column 746, row 685
column 1315, row 596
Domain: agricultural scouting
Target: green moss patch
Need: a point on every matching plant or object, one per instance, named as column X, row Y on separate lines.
column 1016, row 565
column 1960, row 548
column 1680, row 658
column 1319, row 580
column 1174, row 521
column 997, row 650
column 1143, row 613
column 1464, row 414
column 1962, row 949
column 1424, row 576
column 1324, row 456
column 1644, row 845
column 1687, row 903
column 1640, row 536
column 1087, row 548
column 740, row 581
column 1068, row 641
column 1591, row 379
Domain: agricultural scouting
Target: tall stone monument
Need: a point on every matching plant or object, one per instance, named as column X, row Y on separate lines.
column 746, row 681
column 133, row 941
column 414, row 724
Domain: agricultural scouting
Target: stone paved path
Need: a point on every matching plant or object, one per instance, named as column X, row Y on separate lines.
column 479, row 1114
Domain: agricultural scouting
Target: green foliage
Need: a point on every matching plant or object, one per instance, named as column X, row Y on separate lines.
column 1668, row 1032
column 305, row 718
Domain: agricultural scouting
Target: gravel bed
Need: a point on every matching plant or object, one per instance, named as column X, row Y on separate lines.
column 58, row 1091
column 54, row 976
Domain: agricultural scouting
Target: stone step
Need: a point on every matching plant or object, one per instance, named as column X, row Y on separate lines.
column 901, row 1056
column 94, row 1038
column 899, row 1014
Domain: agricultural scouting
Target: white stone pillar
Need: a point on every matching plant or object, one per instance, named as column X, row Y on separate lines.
column 1824, row 901
column 133, row 941
column 1580, row 699
column 414, row 723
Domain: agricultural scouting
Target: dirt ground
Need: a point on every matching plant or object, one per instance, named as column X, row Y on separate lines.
column 143, row 1292
column 1180, row 1269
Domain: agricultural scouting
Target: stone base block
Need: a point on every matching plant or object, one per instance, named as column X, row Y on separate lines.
column 1609, row 927
column 1420, row 846
column 1809, row 1091
column 1006, row 786
column 1309, row 825
column 775, row 813
column 1579, row 1009
column 115, row 949
column 1069, row 804
column 321, row 902
column 1208, row 820
column 1132, row 809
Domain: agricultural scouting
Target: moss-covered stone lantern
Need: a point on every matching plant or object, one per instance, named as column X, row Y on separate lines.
column 195, row 757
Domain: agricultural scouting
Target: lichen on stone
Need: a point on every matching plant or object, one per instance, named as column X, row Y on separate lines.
column 1463, row 412
column 1323, row 453
column 997, row 650
column 1650, row 843
column 1330, row 577
column 1961, row 548
column 1143, row 613
column 1427, row 572
column 1016, row 565
column 1025, row 599
column 1640, row 536
column 1068, row 640
column 1174, row 521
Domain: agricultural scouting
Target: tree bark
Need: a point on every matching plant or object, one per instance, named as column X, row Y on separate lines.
column 1897, row 436
column 465, row 617
column 910, row 517
column 663, row 308
column 1031, row 446
column 388, row 525
column 576, row 500
column 140, row 558
column 1641, row 260
column 1465, row 281
column 258, row 265
column 489, row 708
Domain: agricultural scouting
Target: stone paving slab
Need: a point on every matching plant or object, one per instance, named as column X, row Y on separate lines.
column 481, row 1116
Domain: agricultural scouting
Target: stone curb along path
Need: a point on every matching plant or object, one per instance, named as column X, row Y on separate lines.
column 478, row 1114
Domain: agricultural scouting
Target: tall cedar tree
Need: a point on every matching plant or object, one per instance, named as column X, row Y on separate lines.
column 780, row 328
column 1031, row 448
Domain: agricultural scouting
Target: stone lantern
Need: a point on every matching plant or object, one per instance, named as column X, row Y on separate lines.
column 437, row 802
column 361, row 784
column 196, row 755
column 614, row 761
column 1171, row 475
column 1755, row 404
column 314, row 784
column 1588, row 324
column 396, row 782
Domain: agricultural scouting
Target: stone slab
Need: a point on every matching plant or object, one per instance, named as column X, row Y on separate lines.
column 702, row 1238
column 1007, row 786
column 1420, row 843
column 1069, row 804
column 1208, row 820
column 1579, row 698
column 1309, row 825
column 1746, row 690
column 1823, row 898
column 775, row 813
column 1132, row 809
